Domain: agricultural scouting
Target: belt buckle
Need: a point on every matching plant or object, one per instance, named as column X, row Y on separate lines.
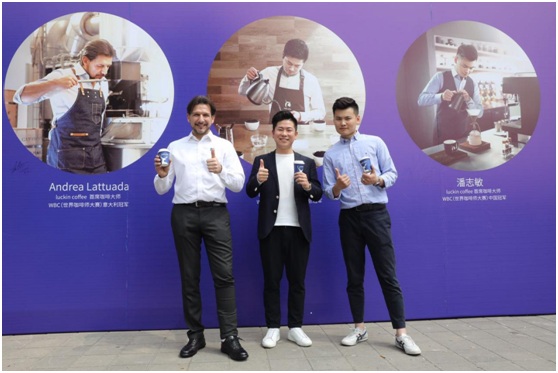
column 196, row 204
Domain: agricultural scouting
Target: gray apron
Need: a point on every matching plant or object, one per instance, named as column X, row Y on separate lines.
column 75, row 142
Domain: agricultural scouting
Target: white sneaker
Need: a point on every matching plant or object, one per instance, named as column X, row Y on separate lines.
column 355, row 337
column 271, row 338
column 407, row 344
column 298, row 336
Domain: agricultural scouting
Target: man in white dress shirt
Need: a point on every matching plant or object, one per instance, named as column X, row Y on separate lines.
column 202, row 166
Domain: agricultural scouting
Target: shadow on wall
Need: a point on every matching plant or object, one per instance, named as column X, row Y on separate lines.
column 260, row 44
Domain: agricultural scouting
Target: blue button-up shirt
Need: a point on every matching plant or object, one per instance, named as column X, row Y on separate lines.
column 344, row 156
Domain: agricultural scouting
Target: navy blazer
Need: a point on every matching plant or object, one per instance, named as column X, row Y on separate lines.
column 269, row 194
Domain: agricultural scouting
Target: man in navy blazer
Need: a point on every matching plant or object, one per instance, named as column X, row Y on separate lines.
column 284, row 226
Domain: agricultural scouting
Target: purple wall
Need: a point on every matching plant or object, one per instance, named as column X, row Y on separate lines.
column 115, row 268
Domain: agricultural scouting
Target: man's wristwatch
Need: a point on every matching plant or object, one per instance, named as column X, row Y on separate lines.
column 379, row 182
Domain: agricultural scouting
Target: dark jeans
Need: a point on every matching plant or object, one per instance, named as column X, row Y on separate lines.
column 373, row 229
column 284, row 248
column 212, row 224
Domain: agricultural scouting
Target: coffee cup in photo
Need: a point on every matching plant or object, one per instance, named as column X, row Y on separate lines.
column 164, row 154
column 319, row 157
column 366, row 165
column 319, row 125
column 298, row 166
column 251, row 124
column 451, row 147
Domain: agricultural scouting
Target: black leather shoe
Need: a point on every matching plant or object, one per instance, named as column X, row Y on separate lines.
column 231, row 346
column 194, row 344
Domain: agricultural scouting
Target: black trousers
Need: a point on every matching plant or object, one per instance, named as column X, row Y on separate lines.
column 212, row 224
column 285, row 248
column 373, row 229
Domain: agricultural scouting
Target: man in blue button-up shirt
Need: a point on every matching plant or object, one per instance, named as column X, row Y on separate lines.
column 364, row 219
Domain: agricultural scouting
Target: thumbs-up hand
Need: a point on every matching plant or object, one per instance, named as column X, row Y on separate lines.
column 342, row 181
column 370, row 178
column 213, row 164
column 263, row 173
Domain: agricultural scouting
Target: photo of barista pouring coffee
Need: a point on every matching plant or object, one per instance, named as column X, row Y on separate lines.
column 99, row 96
column 466, row 93
column 288, row 86
column 453, row 91
column 282, row 63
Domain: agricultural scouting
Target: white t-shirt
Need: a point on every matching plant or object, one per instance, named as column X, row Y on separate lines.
column 286, row 212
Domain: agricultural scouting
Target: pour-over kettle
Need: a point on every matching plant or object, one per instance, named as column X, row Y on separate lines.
column 457, row 101
column 258, row 91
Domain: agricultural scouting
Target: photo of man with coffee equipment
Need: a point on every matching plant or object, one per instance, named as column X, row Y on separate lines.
column 468, row 95
column 89, row 93
column 286, row 87
column 282, row 63
column 454, row 92
column 78, row 96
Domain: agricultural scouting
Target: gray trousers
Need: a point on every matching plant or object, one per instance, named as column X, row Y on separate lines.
column 191, row 225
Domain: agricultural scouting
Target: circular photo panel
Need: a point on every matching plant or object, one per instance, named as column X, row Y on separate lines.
column 468, row 95
column 89, row 93
column 282, row 63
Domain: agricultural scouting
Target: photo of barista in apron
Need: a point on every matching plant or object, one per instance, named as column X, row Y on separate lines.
column 78, row 94
column 286, row 87
column 287, row 99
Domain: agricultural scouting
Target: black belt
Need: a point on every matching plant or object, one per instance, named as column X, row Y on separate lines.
column 369, row 207
column 205, row 204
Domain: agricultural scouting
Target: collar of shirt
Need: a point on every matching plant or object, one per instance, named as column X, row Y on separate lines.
column 357, row 136
column 80, row 71
column 455, row 73
column 459, row 81
column 208, row 137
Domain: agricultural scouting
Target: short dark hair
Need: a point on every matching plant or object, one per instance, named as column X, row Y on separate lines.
column 283, row 115
column 97, row 47
column 201, row 100
column 345, row 103
column 468, row 52
column 296, row 48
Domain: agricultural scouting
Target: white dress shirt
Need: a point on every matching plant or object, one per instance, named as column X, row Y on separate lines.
column 188, row 166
